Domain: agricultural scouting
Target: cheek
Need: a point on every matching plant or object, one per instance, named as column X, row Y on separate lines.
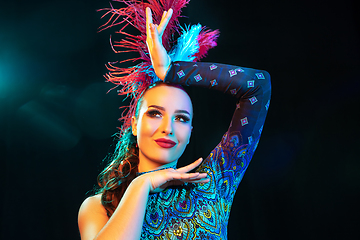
column 183, row 133
column 148, row 126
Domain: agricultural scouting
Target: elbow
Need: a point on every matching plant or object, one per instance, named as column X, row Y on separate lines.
column 266, row 82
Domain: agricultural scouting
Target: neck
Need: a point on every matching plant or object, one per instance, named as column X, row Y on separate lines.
column 146, row 165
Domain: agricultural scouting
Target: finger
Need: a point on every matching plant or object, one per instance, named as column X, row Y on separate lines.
column 197, row 180
column 206, row 180
column 163, row 16
column 190, row 176
column 154, row 34
column 194, row 178
column 195, row 175
column 191, row 166
column 148, row 20
column 164, row 21
column 181, row 182
column 148, row 16
column 201, row 175
column 190, row 180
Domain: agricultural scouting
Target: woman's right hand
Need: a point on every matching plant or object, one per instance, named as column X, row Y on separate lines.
column 159, row 180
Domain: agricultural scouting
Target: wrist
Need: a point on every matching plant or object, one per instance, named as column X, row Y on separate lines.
column 141, row 182
column 162, row 69
column 167, row 67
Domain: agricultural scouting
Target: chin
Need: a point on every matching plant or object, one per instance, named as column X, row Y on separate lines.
column 165, row 160
column 162, row 156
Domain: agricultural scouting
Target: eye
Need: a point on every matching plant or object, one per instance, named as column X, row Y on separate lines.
column 182, row 118
column 154, row 113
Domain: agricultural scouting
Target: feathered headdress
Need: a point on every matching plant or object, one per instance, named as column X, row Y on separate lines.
column 192, row 45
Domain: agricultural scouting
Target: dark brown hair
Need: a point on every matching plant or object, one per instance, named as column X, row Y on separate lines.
column 122, row 167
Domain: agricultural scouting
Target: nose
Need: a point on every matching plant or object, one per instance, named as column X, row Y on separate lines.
column 167, row 126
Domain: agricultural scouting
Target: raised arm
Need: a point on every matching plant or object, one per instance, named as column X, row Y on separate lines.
column 252, row 88
column 227, row 163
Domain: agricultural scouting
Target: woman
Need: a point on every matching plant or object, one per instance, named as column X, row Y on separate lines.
column 160, row 201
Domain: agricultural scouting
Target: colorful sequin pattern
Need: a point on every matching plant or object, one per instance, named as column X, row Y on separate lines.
column 202, row 211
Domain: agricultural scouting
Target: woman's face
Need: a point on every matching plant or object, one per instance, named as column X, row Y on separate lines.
column 163, row 126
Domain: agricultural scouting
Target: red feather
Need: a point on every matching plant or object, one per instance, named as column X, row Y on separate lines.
column 206, row 39
column 134, row 81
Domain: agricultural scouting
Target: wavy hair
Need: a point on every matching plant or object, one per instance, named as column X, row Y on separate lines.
column 120, row 171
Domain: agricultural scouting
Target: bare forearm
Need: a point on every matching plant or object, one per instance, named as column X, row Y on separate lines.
column 127, row 220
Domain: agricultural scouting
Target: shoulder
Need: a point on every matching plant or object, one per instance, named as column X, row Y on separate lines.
column 92, row 203
column 92, row 216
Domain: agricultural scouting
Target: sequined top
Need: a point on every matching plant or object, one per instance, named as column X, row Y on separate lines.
column 202, row 211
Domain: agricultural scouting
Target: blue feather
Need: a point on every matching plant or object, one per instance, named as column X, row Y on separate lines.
column 187, row 44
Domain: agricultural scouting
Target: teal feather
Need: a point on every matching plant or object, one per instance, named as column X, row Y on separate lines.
column 187, row 44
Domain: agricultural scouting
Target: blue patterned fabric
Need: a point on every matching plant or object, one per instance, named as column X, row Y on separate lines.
column 202, row 211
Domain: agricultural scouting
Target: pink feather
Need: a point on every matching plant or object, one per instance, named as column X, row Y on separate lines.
column 206, row 39
column 134, row 81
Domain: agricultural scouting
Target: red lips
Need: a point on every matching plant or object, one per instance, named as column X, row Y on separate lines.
column 165, row 143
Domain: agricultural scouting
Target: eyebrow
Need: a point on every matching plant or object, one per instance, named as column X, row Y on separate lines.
column 163, row 109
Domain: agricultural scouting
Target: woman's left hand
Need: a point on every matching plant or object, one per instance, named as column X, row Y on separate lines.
column 158, row 54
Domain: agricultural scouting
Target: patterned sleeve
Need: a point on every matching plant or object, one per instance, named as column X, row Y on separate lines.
column 227, row 163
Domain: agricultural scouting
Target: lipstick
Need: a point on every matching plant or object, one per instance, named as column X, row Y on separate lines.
column 165, row 143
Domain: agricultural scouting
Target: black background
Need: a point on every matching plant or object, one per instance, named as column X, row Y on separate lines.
column 56, row 119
